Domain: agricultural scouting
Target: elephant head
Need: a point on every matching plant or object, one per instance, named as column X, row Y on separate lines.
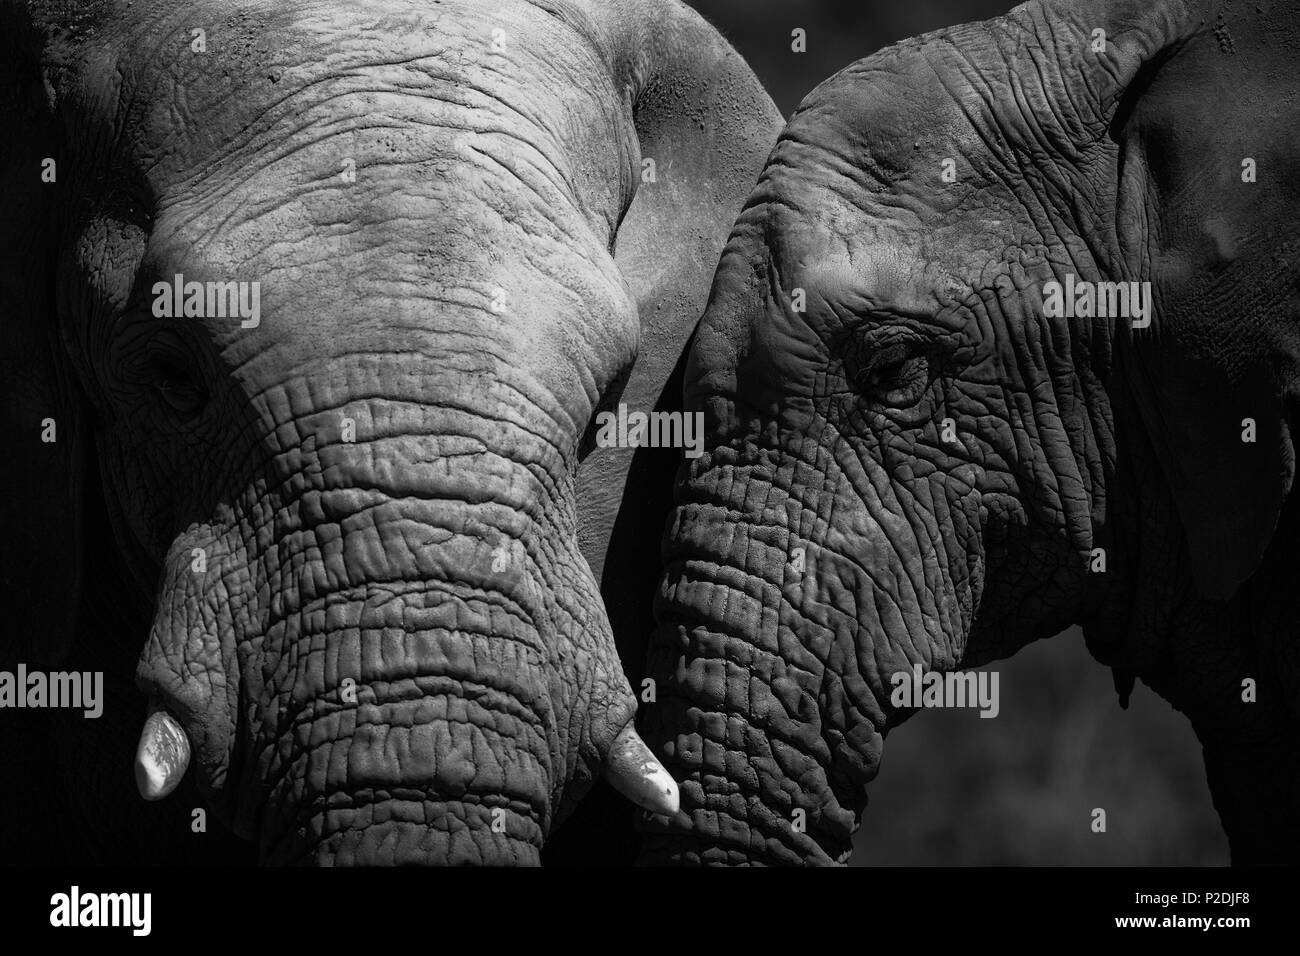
column 938, row 428
column 312, row 303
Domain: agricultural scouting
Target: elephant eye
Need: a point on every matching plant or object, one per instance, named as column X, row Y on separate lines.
column 896, row 375
column 175, row 385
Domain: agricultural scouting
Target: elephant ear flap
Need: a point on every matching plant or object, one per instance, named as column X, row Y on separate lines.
column 42, row 480
column 1227, row 457
column 705, row 127
column 1207, row 213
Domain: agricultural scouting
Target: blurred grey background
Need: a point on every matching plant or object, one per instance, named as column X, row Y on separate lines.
column 1018, row 789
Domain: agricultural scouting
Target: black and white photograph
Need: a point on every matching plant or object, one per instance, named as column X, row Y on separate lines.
column 618, row 435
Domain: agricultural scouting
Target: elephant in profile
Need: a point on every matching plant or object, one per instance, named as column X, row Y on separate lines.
column 1006, row 339
column 311, row 308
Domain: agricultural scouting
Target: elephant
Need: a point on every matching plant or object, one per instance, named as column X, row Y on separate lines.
column 1004, row 341
column 311, row 309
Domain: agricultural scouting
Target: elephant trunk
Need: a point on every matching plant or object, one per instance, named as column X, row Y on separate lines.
column 384, row 718
column 437, row 750
column 394, row 656
column 771, row 744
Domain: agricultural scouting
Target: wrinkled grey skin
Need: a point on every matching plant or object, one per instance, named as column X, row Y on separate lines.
column 495, row 273
column 924, row 302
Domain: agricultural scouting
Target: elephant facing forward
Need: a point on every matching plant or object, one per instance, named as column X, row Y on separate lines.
column 313, row 303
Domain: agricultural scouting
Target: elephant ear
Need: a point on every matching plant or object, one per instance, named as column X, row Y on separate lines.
column 704, row 127
column 46, row 455
column 1208, row 212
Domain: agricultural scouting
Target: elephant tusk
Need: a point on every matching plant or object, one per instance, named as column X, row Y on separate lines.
column 633, row 771
column 162, row 756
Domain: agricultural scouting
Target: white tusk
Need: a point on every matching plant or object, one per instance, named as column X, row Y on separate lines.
column 633, row 771
column 163, row 755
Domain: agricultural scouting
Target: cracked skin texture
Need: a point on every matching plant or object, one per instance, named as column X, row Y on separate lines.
column 922, row 302
column 394, row 650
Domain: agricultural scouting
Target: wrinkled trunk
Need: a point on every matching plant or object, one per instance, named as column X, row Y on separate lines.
column 408, row 721
column 392, row 651
column 771, row 745
column 443, row 757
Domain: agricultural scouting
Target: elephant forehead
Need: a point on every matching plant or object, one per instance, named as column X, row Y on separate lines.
column 214, row 87
column 880, row 258
column 466, row 299
column 395, row 176
column 892, row 118
column 856, row 199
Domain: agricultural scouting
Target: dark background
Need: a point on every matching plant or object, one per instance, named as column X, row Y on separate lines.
column 838, row 32
column 1018, row 789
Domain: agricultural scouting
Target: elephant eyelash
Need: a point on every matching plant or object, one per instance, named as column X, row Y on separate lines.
column 894, row 371
column 898, row 384
column 174, row 382
column 182, row 397
column 887, row 357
